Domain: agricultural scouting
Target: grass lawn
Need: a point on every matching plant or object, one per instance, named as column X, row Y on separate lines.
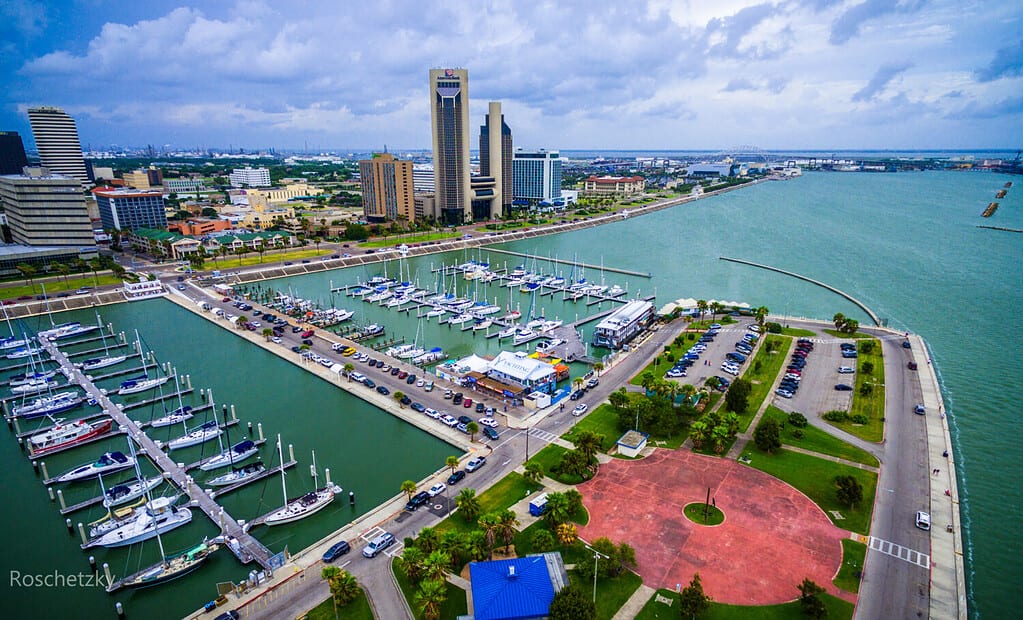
column 409, row 238
column 356, row 610
column 572, row 554
column 548, row 458
column 816, row 478
column 797, row 333
column 602, row 421
column 13, row 290
column 653, row 610
column 853, row 553
column 455, row 605
column 817, row 440
column 695, row 512
column 503, row 494
column 871, row 406
column 762, row 378
column 611, row 592
column 269, row 257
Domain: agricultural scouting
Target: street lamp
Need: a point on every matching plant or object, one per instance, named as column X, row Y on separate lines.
column 596, row 558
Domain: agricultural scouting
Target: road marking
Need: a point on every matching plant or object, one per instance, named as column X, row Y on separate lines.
column 542, row 435
column 372, row 533
column 395, row 550
column 345, row 564
column 905, row 554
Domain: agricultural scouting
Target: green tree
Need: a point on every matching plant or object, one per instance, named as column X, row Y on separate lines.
column 476, row 545
column 490, row 524
column 411, row 561
column 575, row 501
column 767, row 435
column 472, row 428
column 267, row 333
column 575, row 463
column 398, row 395
column 701, row 305
column 839, row 321
column 598, row 367
column 349, row 369
column 27, row 271
column 715, row 309
column 851, row 326
column 452, row 463
column 427, row 540
column 468, row 504
column 867, row 368
column 850, row 491
column 409, row 487
column 810, row 600
column 435, row 566
column 571, row 604
column 63, row 269
column 693, row 601
column 543, row 541
column 431, row 595
column 699, row 432
column 619, row 399
column 558, row 509
column 588, row 443
column 343, row 586
column 95, row 265
column 737, row 396
column 534, row 471
column 720, row 437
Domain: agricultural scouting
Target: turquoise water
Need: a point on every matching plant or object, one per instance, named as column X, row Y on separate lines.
column 905, row 244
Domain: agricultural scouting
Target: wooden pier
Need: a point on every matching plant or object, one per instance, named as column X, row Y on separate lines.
column 245, row 547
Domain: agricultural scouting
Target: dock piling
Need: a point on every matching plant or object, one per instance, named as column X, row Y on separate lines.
column 250, row 429
column 291, row 451
column 326, row 472
column 35, row 467
column 92, row 564
column 42, row 467
column 188, row 381
column 259, row 427
column 117, row 606
column 234, row 416
column 49, row 491
column 17, row 425
column 21, row 444
column 81, row 531
column 351, row 498
column 60, row 497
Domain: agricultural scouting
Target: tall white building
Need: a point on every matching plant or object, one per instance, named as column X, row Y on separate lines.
column 536, row 177
column 422, row 178
column 250, row 177
column 56, row 137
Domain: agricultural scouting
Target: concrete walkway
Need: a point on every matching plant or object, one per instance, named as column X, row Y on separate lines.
column 632, row 607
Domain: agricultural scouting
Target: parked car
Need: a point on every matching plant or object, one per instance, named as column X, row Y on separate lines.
column 843, row 387
column 419, row 499
column 456, row 477
column 475, row 463
column 378, row 544
column 490, row 433
column 383, row 390
column 920, row 410
column 336, row 551
column 845, row 370
column 467, row 403
column 437, row 489
column 911, row 365
column 410, row 379
column 923, row 520
column 418, row 407
column 580, row 409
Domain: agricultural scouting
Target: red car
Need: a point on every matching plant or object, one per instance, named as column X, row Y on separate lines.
column 226, row 299
column 307, row 334
column 467, row 403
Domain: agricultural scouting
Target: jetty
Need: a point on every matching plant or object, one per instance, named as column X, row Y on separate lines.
column 245, row 547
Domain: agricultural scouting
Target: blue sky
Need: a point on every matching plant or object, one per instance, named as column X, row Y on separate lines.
column 810, row 74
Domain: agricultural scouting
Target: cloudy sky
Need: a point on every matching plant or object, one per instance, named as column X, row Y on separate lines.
column 589, row 74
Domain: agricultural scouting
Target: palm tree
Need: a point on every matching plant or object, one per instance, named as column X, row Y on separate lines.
column 27, row 272
column 267, row 333
column 534, row 472
column 715, row 309
column 507, row 522
column 261, row 250
column 427, row 540
column 476, row 545
column 761, row 315
column 598, row 367
column 699, row 432
column 701, row 305
column 398, row 396
column 409, row 487
column 95, row 265
column 242, row 320
column 588, row 443
column 411, row 561
column 452, row 462
column 452, row 545
column 558, row 510
column 468, row 504
column 647, row 380
column 490, row 523
column 720, row 436
column 619, row 399
column 687, row 390
column 349, row 369
column 473, row 428
column 63, row 269
column 343, row 585
column 429, row 598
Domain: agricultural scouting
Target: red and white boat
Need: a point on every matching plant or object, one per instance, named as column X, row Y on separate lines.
column 62, row 435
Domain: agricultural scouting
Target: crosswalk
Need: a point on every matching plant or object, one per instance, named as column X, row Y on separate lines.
column 542, row 435
column 905, row 554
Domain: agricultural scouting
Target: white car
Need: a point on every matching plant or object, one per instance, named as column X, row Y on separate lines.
column 275, row 340
column 491, row 422
column 420, row 383
column 580, row 409
column 449, row 420
column 845, row 370
column 732, row 371
column 784, row 393
column 437, row 489
column 433, row 413
column 793, row 376
column 754, row 328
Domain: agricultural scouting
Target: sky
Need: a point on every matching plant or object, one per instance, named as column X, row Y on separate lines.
column 593, row 74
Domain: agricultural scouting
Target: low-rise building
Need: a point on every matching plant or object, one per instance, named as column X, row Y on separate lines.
column 521, row 373
column 250, row 177
column 517, row 588
column 622, row 325
column 182, row 186
column 163, row 243
column 616, row 187
column 250, row 241
column 199, row 227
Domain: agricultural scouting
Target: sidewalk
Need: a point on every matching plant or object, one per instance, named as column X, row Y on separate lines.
column 948, row 579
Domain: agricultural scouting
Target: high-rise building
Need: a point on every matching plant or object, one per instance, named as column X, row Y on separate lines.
column 497, row 162
column 387, row 189
column 144, row 178
column 422, row 178
column 46, row 209
column 130, row 209
column 449, row 117
column 56, row 137
column 12, row 153
column 250, row 177
column 537, row 176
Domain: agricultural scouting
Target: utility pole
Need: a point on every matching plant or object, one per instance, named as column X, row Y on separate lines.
column 596, row 558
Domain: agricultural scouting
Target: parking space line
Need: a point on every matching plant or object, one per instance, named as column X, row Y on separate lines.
column 372, row 533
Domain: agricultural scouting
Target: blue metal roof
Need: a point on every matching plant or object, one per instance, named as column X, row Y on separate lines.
column 497, row 594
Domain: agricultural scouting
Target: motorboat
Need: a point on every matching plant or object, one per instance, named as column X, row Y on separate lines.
column 524, row 335
column 168, row 569
column 159, row 515
column 436, row 312
column 513, row 282
column 514, row 315
column 121, row 494
column 411, row 353
column 548, row 326
column 430, row 356
column 95, row 363
column 206, row 432
column 48, row 405
column 396, row 351
column 482, row 324
column 141, row 384
column 372, row 330
column 109, row 462
column 615, row 291
column 33, row 386
column 238, row 474
column 343, row 315
column 61, row 435
column 507, row 332
column 181, row 414
column 235, row 454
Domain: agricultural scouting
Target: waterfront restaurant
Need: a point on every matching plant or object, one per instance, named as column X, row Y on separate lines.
column 523, row 372
column 623, row 324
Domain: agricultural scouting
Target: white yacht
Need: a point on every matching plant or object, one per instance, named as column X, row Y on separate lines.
column 140, row 384
column 109, row 462
column 235, row 454
column 206, row 432
column 159, row 515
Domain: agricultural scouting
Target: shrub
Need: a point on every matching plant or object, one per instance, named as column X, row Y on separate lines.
column 867, row 346
column 859, row 418
column 773, row 328
column 797, row 434
column 836, row 416
column 797, row 419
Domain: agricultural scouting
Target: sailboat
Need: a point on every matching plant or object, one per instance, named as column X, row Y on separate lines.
column 31, row 374
column 205, row 432
column 33, row 386
column 234, row 454
column 12, row 342
column 64, row 330
column 181, row 414
column 95, row 363
column 304, row 505
column 238, row 474
column 128, row 491
column 108, row 463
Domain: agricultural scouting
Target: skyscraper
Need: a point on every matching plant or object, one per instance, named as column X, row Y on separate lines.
column 45, row 209
column 12, row 153
column 537, row 176
column 449, row 117
column 387, row 189
column 497, row 162
column 56, row 137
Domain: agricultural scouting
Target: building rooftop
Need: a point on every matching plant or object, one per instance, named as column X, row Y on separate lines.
column 124, row 192
column 520, row 366
column 515, row 589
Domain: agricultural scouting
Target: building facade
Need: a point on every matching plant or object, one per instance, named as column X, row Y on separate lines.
column 388, row 192
column 56, row 137
column 144, row 178
column 250, row 177
column 180, row 186
column 422, row 178
column 130, row 209
column 614, row 187
column 12, row 153
column 536, row 177
column 622, row 325
column 496, row 162
column 45, row 209
column 449, row 117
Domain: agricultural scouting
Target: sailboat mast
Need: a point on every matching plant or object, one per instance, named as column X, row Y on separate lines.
column 280, row 456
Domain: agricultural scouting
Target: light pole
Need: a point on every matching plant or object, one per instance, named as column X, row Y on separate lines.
column 596, row 558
